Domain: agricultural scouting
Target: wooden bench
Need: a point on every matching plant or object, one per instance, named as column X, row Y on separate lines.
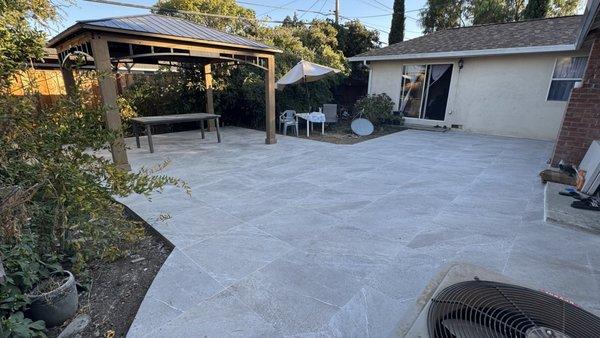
column 147, row 122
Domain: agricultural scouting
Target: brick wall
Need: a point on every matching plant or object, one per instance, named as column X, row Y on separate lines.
column 581, row 123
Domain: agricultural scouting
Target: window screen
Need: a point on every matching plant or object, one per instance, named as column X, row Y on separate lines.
column 567, row 72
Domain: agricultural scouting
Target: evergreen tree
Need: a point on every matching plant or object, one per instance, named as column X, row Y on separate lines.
column 397, row 29
column 536, row 9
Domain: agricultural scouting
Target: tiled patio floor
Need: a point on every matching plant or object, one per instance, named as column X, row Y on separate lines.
column 304, row 238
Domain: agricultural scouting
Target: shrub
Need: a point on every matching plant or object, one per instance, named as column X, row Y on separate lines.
column 377, row 108
column 24, row 269
column 56, row 208
column 63, row 212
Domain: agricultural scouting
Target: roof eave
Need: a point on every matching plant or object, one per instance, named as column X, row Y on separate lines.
column 53, row 43
column 588, row 19
column 84, row 26
column 467, row 53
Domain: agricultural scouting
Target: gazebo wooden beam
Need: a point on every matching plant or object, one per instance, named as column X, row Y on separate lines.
column 108, row 91
column 210, row 104
column 270, row 100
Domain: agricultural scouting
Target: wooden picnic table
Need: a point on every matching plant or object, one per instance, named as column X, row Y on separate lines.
column 146, row 122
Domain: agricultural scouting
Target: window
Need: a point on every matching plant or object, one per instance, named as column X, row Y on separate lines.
column 567, row 71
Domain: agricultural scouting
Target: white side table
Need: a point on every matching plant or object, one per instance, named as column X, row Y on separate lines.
column 314, row 117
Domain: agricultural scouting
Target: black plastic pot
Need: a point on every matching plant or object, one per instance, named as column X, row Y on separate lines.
column 56, row 306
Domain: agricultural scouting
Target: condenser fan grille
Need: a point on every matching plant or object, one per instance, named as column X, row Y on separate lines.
column 482, row 309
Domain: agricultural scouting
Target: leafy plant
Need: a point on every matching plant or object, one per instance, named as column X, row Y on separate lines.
column 24, row 269
column 18, row 326
column 378, row 109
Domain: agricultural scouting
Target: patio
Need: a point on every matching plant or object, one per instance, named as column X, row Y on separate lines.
column 304, row 238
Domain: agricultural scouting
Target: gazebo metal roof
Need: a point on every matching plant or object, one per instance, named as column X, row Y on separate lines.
column 161, row 25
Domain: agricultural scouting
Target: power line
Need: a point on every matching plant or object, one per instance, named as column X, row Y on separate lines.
column 172, row 10
column 309, row 8
column 280, row 7
column 366, row 2
column 323, row 6
column 383, row 5
column 372, row 27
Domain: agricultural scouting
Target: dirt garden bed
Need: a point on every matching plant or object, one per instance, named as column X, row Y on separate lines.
column 116, row 289
column 342, row 134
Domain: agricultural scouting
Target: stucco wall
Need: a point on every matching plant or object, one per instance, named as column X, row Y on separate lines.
column 503, row 95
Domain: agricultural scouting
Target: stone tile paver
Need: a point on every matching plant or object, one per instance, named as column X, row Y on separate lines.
column 312, row 239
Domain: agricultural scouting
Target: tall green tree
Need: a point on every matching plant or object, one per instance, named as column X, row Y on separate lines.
column 488, row 11
column 442, row 14
column 536, row 9
column 354, row 38
column 20, row 40
column 397, row 29
column 563, row 7
column 221, row 7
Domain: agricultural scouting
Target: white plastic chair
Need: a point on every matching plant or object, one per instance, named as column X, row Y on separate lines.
column 287, row 119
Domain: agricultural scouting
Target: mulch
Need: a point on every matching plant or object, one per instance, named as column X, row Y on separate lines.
column 117, row 289
column 342, row 134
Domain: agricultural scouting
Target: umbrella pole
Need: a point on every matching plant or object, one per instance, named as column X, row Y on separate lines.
column 307, row 93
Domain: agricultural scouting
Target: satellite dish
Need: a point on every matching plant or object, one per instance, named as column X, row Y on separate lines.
column 362, row 127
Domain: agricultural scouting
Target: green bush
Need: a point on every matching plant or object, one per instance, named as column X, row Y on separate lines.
column 68, row 216
column 377, row 108
column 166, row 93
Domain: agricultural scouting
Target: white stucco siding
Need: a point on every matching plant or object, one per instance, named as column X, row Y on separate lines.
column 504, row 95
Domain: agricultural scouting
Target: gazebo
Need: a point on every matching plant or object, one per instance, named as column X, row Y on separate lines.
column 154, row 39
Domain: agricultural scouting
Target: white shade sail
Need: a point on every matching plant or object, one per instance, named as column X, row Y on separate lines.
column 305, row 71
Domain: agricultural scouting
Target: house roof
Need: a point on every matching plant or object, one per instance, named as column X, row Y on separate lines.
column 590, row 21
column 154, row 24
column 541, row 35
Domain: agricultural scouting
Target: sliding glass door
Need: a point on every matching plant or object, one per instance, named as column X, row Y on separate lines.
column 425, row 91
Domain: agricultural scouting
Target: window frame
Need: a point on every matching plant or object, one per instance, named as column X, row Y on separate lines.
column 552, row 78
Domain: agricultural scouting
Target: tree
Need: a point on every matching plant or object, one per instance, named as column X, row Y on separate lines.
column 441, row 14
column 488, row 11
column 563, row 7
column 20, row 41
column 293, row 21
column 536, row 9
column 221, row 7
column 354, row 38
column 397, row 29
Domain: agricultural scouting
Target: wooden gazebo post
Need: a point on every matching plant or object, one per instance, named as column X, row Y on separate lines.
column 108, row 91
column 270, row 100
column 210, row 104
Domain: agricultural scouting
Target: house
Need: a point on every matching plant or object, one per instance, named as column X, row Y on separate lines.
column 510, row 79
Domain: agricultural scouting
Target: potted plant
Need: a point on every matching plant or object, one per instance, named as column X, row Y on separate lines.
column 54, row 299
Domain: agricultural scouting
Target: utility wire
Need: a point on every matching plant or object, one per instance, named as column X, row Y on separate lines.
column 309, row 8
column 323, row 6
column 378, row 7
column 284, row 6
column 383, row 5
column 172, row 10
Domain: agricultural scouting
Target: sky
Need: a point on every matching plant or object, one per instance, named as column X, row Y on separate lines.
column 381, row 9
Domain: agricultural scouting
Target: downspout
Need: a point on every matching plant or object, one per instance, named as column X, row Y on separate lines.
column 370, row 76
